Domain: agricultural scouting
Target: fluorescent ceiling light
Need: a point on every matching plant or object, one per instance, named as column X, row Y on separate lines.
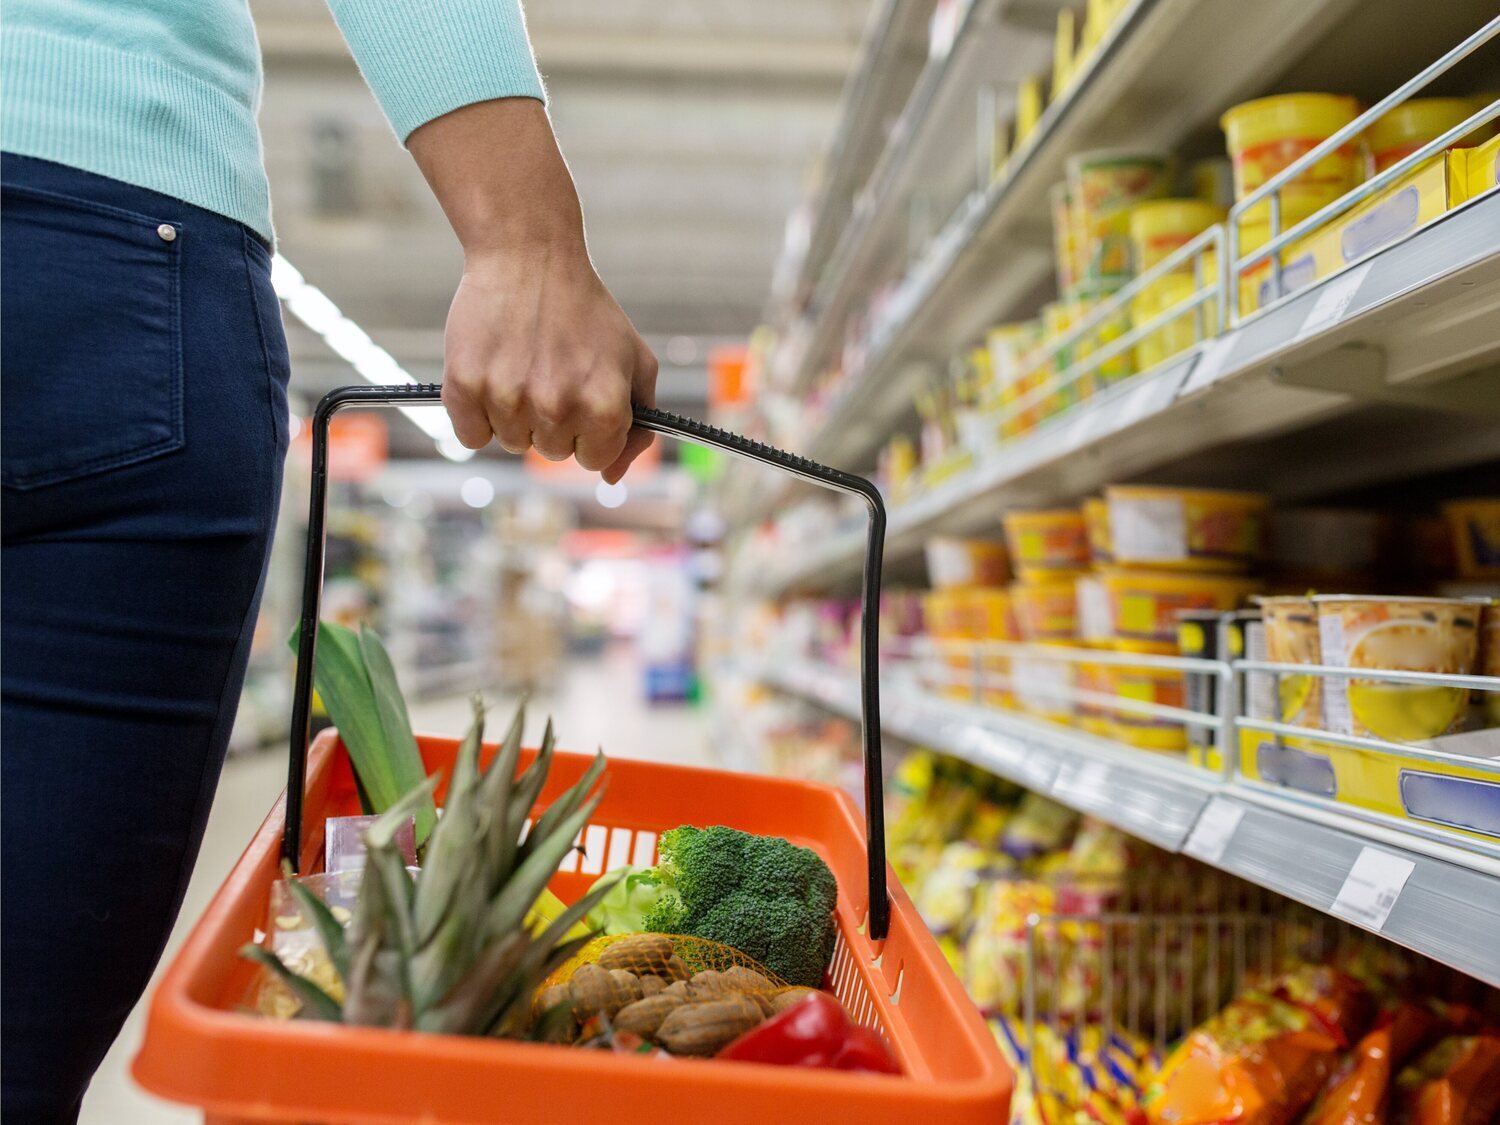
column 311, row 306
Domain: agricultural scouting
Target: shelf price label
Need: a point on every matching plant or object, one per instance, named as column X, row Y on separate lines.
column 1210, row 837
column 1372, row 886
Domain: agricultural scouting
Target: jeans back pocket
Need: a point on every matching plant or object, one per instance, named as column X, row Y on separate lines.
column 91, row 348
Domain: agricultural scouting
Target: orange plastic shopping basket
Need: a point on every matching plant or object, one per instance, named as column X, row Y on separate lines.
column 204, row 1047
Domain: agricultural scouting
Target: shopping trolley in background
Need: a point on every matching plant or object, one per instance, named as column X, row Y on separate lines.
column 203, row 1048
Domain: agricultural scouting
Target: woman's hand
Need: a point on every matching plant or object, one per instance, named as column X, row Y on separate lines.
column 537, row 352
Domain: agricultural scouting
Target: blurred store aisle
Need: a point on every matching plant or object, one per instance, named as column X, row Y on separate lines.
column 599, row 702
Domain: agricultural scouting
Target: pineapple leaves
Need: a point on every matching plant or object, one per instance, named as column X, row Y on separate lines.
column 463, row 948
column 358, row 686
column 316, row 1004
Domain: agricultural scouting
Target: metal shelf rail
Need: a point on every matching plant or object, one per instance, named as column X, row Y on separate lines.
column 1419, row 883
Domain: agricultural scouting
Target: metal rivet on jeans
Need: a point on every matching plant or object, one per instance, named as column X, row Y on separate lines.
column 166, row 232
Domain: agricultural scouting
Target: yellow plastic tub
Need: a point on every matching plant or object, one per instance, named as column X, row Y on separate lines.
column 1117, row 366
column 1181, row 332
column 965, row 562
column 1291, row 625
column 1160, row 226
column 1105, row 185
column 1195, row 529
column 1410, row 126
column 1144, row 604
column 1046, row 612
column 1065, row 240
column 1400, row 634
column 1267, row 134
column 1096, row 525
column 1147, row 685
column 1475, row 525
column 1044, row 545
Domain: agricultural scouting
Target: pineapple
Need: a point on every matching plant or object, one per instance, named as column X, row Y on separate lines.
column 459, row 949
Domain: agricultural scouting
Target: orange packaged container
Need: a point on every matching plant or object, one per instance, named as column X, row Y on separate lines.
column 204, row 1048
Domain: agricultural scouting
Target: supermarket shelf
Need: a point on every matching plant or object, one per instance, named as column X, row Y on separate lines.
column 1165, row 67
column 933, row 141
column 890, row 59
column 1413, row 326
column 1448, row 906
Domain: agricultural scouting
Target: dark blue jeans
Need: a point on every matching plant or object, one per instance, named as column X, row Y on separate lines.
column 144, row 427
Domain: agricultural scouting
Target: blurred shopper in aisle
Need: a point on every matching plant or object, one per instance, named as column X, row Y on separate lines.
column 145, row 422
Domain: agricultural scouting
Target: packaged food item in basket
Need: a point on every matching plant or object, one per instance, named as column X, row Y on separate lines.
column 1438, row 635
column 1292, row 638
column 1046, row 545
column 946, row 896
column 1475, row 526
column 1457, row 1082
column 1186, row 528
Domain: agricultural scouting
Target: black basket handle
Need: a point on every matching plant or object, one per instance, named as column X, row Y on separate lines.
column 660, row 422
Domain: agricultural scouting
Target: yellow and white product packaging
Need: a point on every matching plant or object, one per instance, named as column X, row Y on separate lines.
column 1182, row 331
column 1292, row 637
column 1062, row 52
column 1105, row 185
column 1044, row 687
column 1408, row 634
column 1186, row 528
column 1144, row 604
column 1482, row 168
column 1414, row 200
column 965, row 562
column 1161, row 686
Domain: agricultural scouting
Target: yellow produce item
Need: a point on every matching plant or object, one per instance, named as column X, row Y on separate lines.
column 1186, row 528
column 1475, row 525
column 1268, row 134
column 1105, row 185
column 1292, row 638
column 547, row 908
column 1046, row 544
column 1160, row 226
column 1400, row 634
column 1411, row 125
column 1144, row 604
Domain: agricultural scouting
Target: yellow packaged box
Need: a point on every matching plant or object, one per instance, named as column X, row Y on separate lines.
column 1459, row 797
column 1414, row 200
column 1482, row 168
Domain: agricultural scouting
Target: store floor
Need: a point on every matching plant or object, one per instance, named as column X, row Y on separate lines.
column 598, row 703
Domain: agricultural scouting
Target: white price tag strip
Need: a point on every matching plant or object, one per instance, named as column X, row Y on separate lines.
column 1085, row 782
column 1210, row 837
column 1372, row 887
column 1038, row 769
column 1211, row 363
column 1333, row 300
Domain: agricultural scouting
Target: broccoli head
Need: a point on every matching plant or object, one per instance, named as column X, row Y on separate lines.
column 762, row 895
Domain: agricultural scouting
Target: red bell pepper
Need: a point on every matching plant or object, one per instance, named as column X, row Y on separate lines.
column 815, row 1031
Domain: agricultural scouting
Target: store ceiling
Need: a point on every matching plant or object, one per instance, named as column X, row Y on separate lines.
column 690, row 126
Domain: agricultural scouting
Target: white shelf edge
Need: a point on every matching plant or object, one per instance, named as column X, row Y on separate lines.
column 1448, row 909
column 1460, row 239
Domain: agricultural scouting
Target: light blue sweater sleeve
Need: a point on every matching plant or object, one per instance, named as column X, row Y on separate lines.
column 424, row 58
